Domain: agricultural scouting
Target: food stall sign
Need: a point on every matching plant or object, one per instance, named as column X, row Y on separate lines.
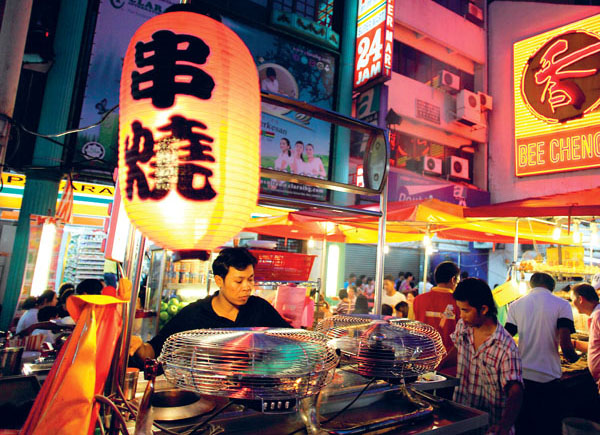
column 374, row 42
column 189, row 132
column 557, row 94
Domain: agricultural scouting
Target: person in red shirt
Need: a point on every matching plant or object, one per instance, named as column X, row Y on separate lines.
column 437, row 307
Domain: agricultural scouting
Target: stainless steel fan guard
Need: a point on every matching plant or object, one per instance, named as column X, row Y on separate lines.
column 384, row 349
column 249, row 363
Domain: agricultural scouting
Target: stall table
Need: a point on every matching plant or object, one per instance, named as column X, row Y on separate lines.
column 378, row 410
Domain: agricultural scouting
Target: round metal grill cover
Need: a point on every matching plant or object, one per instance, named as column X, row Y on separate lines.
column 383, row 348
column 249, row 363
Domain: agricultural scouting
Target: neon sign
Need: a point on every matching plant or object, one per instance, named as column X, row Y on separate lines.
column 557, row 92
column 374, row 42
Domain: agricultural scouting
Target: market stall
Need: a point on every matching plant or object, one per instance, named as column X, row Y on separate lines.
column 574, row 216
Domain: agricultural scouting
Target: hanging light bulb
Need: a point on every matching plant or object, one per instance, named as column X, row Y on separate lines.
column 427, row 240
column 594, row 234
column 522, row 288
column 311, row 243
column 556, row 233
column 576, row 233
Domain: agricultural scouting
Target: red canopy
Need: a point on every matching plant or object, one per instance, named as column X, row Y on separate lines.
column 580, row 203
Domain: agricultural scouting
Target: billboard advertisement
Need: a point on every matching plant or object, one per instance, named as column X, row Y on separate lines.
column 117, row 21
column 557, row 94
column 292, row 142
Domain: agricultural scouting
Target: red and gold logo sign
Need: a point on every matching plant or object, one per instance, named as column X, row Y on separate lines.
column 557, row 99
column 561, row 81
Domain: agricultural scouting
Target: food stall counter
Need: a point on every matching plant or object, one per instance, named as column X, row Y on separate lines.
column 382, row 408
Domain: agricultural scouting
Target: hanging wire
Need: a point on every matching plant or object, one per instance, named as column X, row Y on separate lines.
column 76, row 130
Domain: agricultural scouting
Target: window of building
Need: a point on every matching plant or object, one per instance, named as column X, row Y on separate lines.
column 419, row 66
column 457, row 6
column 317, row 10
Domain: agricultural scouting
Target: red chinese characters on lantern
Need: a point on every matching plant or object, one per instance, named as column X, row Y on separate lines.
column 161, row 84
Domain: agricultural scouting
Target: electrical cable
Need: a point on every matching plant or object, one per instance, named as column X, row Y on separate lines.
column 345, row 408
column 111, row 404
column 76, row 130
column 196, row 428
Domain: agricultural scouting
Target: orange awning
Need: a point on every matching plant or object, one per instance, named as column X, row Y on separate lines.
column 580, row 203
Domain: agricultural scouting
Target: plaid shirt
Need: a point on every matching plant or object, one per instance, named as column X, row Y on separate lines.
column 344, row 308
column 485, row 372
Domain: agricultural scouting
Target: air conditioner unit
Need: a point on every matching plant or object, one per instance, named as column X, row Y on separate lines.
column 485, row 101
column 448, row 81
column 458, row 168
column 474, row 12
column 468, row 108
column 432, row 165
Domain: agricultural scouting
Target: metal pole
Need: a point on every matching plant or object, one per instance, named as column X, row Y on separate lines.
column 516, row 243
column 426, row 266
column 13, row 35
column 381, row 249
column 322, row 281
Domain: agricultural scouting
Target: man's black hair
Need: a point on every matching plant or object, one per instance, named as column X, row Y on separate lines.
column 445, row 271
column 29, row 303
column 271, row 72
column 46, row 297
column 476, row 293
column 64, row 287
column 407, row 275
column 47, row 313
column 343, row 294
column 402, row 307
column 238, row 258
column 587, row 292
column 464, row 274
column 541, row 279
column 361, row 306
column 388, row 278
column 62, row 300
column 89, row 286
column 352, row 275
column 387, row 310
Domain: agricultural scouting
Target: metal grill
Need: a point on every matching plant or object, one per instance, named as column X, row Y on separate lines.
column 384, row 349
column 252, row 363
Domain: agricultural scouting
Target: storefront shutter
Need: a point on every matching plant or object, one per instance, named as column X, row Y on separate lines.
column 361, row 260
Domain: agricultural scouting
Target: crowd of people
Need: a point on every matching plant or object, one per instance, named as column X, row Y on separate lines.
column 517, row 384
column 47, row 314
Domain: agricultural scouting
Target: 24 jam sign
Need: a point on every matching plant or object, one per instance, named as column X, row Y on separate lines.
column 374, row 42
column 562, row 79
column 189, row 132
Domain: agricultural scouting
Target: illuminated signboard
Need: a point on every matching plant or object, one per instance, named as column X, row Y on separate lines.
column 374, row 41
column 557, row 94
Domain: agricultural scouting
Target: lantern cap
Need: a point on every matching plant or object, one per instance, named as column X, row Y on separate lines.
column 199, row 9
column 191, row 254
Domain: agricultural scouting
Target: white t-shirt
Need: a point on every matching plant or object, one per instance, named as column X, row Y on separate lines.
column 27, row 319
column 283, row 162
column 392, row 300
column 270, row 85
column 536, row 315
column 312, row 168
column 49, row 337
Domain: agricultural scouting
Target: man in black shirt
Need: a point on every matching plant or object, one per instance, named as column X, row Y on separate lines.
column 231, row 307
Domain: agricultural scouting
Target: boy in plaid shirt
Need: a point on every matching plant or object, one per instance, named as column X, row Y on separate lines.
column 488, row 361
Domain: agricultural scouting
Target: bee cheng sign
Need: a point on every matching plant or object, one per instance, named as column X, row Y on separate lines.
column 557, row 75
